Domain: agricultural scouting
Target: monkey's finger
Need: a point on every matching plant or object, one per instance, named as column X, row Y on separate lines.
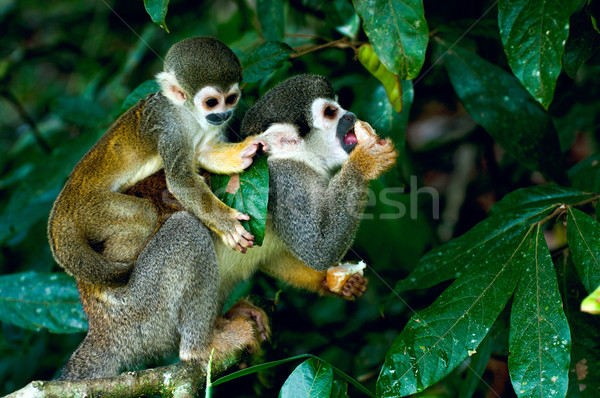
column 241, row 216
column 251, row 150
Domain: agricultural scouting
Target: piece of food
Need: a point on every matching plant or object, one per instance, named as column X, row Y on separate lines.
column 364, row 131
column 338, row 275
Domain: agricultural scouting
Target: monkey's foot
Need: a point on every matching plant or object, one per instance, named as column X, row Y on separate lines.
column 245, row 309
column 236, row 236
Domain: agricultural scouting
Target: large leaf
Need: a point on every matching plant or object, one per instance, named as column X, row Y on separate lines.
column 540, row 342
column 534, row 34
column 540, row 195
column 460, row 254
column 391, row 83
column 583, row 234
column 250, row 197
column 440, row 337
column 35, row 301
column 270, row 15
column 311, row 379
column 497, row 101
column 586, row 174
column 267, row 58
column 398, row 32
column 157, row 9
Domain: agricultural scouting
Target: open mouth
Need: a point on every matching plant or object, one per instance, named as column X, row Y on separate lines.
column 349, row 140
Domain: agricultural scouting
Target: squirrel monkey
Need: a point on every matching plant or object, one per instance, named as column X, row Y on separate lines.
column 178, row 129
column 319, row 174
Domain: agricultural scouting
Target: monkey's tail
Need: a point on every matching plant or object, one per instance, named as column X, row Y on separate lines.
column 73, row 252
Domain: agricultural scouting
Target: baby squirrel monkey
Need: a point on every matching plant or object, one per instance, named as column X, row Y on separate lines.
column 178, row 129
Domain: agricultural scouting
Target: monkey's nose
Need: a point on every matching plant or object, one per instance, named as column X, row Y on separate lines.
column 219, row 118
column 349, row 116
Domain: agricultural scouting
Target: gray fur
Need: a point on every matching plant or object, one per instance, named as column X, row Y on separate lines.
column 316, row 217
column 288, row 102
column 171, row 300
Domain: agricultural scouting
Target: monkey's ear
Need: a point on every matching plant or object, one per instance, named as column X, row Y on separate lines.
column 170, row 87
column 281, row 138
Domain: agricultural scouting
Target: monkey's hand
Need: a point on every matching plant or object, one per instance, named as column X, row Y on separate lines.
column 372, row 156
column 245, row 309
column 230, row 158
column 354, row 287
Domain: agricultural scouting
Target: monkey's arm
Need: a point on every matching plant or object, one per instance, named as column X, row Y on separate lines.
column 316, row 220
column 228, row 158
column 178, row 156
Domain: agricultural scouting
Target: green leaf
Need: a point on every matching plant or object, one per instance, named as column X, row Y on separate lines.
column 267, row 58
column 339, row 389
column 80, row 111
column 540, row 342
column 583, row 42
column 140, row 92
column 583, row 235
column 540, row 196
column 36, row 301
column 591, row 304
column 534, row 34
column 479, row 361
column 341, row 15
column 157, row 9
column 398, row 32
column 271, row 18
column 251, row 197
column 391, row 83
column 497, row 101
column 311, row 379
column 440, row 337
column 458, row 256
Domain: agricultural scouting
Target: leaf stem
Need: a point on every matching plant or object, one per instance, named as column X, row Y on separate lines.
column 342, row 43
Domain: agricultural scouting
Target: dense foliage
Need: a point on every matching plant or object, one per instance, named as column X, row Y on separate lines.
column 481, row 244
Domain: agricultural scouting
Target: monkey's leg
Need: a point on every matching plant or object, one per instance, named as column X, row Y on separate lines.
column 229, row 158
column 123, row 223
column 176, row 280
column 94, row 358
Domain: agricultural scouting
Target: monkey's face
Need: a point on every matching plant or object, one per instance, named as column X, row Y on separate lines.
column 332, row 134
column 213, row 106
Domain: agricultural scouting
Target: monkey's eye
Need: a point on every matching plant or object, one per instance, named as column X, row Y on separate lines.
column 330, row 111
column 211, row 102
column 231, row 99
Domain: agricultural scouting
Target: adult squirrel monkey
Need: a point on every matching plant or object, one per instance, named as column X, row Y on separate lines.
column 178, row 129
column 319, row 170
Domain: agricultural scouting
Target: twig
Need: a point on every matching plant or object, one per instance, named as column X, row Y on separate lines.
column 181, row 380
column 340, row 43
column 10, row 97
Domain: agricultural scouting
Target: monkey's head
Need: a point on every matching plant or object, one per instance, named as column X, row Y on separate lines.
column 304, row 106
column 202, row 75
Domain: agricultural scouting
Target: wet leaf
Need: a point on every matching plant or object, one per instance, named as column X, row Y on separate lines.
column 311, row 379
column 458, row 256
column 534, row 34
column 540, row 195
column 267, row 58
column 391, row 83
column 250, row 198
column 440, row 337
column 37, row 301
column 540, row 341
column 479, row 361
column 583, row 234
column 497, row 101
column 157, row 9
column 398, row 32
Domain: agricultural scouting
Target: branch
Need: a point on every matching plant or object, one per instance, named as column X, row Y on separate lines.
column 181, row 380
column 341, row 44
